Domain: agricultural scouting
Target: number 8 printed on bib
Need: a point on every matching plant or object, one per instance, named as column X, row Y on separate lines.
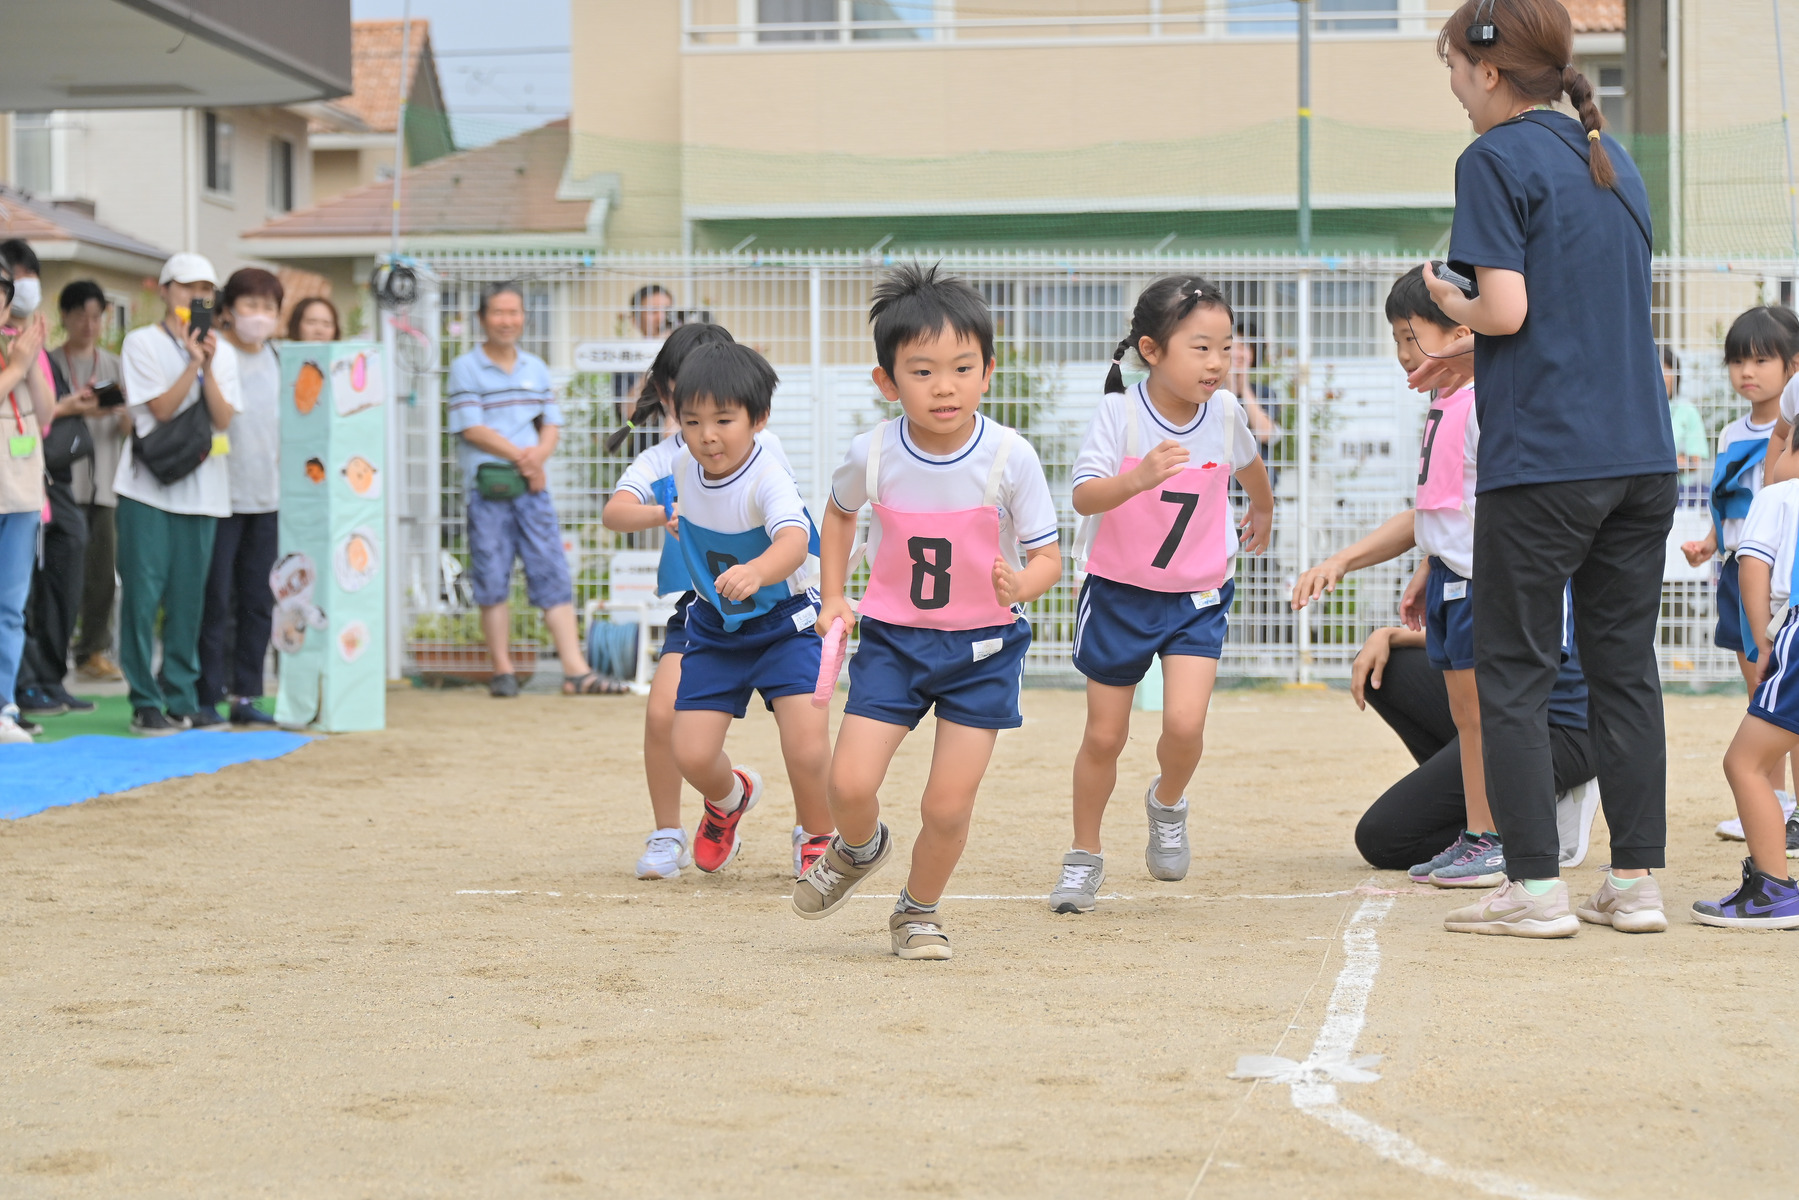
column 1170, row 538
column 934, row 570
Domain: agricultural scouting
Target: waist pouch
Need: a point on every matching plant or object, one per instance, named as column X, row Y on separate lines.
column 68, row 441
column 176, row 447
column 499, row 481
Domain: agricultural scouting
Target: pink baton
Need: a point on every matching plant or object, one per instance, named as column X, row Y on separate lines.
column 830, row 664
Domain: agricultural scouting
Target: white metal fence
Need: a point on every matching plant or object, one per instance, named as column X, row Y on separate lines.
column 1341, row 435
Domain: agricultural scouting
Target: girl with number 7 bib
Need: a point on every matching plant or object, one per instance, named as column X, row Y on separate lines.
column 964, row 532
column 1150, row 484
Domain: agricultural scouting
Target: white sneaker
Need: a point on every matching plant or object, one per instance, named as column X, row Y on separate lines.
column 1732, row 830
column 664, row 854
column 1574, row 811
column 10, row 733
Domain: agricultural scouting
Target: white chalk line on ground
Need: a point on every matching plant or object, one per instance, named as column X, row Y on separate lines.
column 1345, row 1015
column 653, row 893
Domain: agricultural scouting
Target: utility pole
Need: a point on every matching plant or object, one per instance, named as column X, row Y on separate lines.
column 1305, row 126
column 393, row 245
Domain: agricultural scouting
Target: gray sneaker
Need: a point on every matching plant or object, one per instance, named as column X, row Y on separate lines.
column 1167, row 855
column 1635, row 909
column 834, row 878
column 1481, row 864
column 1793, row 837
column 1445, row 856
column 1574, row 811
column 1078, row 891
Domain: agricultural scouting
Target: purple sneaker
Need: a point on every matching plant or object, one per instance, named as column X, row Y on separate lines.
column 1763, row 902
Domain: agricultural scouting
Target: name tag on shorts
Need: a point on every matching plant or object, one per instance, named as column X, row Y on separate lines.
column 21, row 445
column 1206, row 599
column 221, row 445
column 988, row 647
column 805, row 618
column 1456, row 591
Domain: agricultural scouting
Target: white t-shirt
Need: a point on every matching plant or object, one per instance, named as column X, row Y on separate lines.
column 1446, row 533
column 913, row 481
column 1789, row 401
column 1218, row 433
column 658, row 462
column 1770, row 533
column 761, row 494
column 152, row 360
column 255, row 433
column 1742, row 430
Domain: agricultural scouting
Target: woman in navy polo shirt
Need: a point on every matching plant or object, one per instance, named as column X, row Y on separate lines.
column 1577, row 473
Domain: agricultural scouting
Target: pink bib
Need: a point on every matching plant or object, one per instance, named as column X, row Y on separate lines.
column 1442, row 462
column 934, row 570
column 1170, row 538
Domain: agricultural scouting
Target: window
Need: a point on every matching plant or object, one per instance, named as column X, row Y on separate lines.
column 1612, row 96
column 796, row 12
column 218, row 154
column 901, row 20
column 281, row 175
column 35, row 153
column 1262, row 16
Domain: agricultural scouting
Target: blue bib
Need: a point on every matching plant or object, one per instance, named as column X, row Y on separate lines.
column 1731, row 492
column 708, row 554
column 671, row 572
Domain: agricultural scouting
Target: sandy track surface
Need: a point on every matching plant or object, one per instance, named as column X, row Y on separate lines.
column 301, row 977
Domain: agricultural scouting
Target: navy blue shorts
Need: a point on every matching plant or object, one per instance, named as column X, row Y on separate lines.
column 1776, row 700
column 500, row 531
column 1729, row 633
column 971, row 675
column 1119, row 629
column 674, row 635
column 776, row 654
column 1448, row 619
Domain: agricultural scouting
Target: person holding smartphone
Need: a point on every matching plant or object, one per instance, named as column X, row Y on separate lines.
column 166, row 529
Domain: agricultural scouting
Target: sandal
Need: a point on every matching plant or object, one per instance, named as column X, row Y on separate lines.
column 502, row 687
column 592, row 684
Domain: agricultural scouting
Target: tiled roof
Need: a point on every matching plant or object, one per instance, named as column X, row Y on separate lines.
column 35, row 220
column 1591, row 16
column 507, row 187
column 375, row 69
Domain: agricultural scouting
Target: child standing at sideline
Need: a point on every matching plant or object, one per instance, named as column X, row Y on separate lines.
column 1767, row 898
column 744, row 535
column 1760, row 349
column 1159, row 544
column 645, row 499
column 955, row 496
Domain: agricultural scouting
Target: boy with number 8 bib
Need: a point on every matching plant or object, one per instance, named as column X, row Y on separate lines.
column 1150, row 484
column 956, row 496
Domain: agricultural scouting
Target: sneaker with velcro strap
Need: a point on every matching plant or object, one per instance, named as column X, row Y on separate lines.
column 835, row 877
column 918, row 935
column 1078, row 889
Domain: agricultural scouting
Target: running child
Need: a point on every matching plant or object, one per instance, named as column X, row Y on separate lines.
column 1159, row 543
column 1760, row 351
column 956, row 497
column 1441, row 524
column 645, row 499
column 744, row 536
column 1767, row 898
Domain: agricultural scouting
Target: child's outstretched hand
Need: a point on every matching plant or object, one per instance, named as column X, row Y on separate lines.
column 1005, row 583
column 834, row 608
column 1160, row 465
column 1255, row 529
column 739, row 582
column 1315, row 582
column 1411, row 604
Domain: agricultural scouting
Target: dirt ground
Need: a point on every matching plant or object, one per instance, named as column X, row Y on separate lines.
column 417, row 964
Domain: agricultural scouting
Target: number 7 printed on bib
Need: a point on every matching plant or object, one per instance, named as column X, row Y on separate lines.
column 1170, row 538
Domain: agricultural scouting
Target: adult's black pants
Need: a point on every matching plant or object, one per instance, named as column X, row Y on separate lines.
column 1607, row 535
column 56, row 584
column 234, row 637
column 1425, row 811
column 101, row 585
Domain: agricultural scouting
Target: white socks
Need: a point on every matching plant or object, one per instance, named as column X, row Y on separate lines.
column 734, row 801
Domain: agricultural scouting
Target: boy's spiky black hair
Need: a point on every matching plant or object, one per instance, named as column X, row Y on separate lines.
column 731, row 374
column 1410, row 299
column 913, row 302
column 1765, row 331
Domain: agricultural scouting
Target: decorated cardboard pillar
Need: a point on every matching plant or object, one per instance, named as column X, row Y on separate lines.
column 330, row 579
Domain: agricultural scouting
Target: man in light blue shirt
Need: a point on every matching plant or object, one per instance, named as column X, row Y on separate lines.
column 504, row 411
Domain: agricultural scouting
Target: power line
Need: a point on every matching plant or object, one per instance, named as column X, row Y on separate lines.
column 505, row 50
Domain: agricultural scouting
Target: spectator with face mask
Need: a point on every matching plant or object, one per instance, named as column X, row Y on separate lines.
column 234, row 636
column 26, row 404
column 27, row 289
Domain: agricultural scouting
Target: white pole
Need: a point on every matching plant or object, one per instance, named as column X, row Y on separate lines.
column 821, row 435
column 395, row 634
column 1303, row 435
column 1786, row 133
column 393, row 247
column 1676, row 183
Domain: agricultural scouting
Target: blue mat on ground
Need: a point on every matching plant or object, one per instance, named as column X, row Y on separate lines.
column 33, row 778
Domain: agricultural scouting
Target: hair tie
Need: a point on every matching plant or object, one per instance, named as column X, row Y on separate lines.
column 1592, row 135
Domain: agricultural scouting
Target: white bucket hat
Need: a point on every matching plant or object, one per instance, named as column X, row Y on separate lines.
column 187, row 267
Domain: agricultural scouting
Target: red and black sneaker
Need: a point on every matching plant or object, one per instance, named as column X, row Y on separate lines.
column 715, row 841
column 807, row 849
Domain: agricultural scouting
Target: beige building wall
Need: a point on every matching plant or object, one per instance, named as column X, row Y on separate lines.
column 348, row 161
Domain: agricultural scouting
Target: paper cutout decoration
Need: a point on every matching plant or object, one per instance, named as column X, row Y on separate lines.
column 352, row 641
column 307, row 386
column 315, row 470
column 355, row 383
column 356, row 559
column 362, row 477
column 291, row 580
